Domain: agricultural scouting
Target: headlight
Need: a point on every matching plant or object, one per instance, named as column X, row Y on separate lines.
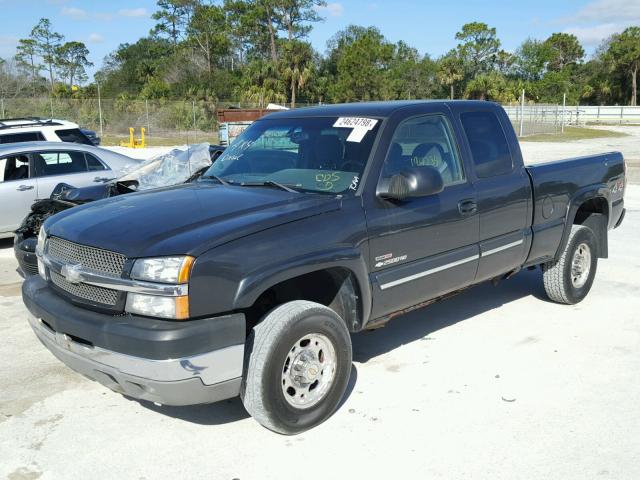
column 156, row 306
column 163, row 270
column 42, row 236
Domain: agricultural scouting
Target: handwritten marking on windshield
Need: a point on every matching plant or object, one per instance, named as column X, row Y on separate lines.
column 326, row 181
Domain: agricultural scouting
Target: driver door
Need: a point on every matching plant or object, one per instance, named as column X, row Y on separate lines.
column 422, row 247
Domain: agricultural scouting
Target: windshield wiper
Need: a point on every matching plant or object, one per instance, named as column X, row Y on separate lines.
column 269, row 183
column 217, row 179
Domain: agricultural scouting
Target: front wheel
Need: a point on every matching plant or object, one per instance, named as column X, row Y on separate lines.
column 297, row 367
column 570, row 278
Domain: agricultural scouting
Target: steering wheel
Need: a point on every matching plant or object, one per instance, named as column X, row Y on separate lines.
column 351, row 166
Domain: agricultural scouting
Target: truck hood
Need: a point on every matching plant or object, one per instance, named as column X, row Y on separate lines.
column 186, row 219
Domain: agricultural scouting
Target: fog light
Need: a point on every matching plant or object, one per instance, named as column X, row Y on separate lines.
column 156, row 306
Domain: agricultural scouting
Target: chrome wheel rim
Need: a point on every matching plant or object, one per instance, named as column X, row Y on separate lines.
column 580, row 265
column 308, row 371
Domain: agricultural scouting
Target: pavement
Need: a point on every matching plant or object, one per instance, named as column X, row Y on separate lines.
column 496, row 383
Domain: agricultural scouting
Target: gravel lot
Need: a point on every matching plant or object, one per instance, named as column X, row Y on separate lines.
column 495, row 383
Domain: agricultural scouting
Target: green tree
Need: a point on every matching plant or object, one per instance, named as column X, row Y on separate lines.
column 358, row 61
column 71, row 61
column 256, row 23
column 173, row 17
column 563, row 49
column 26, row 56
column 624, row 50
column 450, row 71
column 131, row 66
column 208, row 33
column 296, row 65
column 411, row 76
column 295, row 16
column 262, row 83
column 531, row 59
column 46, row 42
column 479, row 47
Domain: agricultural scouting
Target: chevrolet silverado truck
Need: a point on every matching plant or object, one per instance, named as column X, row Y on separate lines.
column 315, row 224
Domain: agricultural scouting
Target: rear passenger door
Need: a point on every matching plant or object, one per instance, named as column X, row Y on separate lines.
column 65, row 166
column 503, row 189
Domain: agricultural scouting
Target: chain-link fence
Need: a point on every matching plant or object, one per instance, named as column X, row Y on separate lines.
column 171, row 122
column 166, row 122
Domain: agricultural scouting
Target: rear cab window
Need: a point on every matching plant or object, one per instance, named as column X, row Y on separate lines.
column 21, row 137
column 73, row 135
column 488, row 143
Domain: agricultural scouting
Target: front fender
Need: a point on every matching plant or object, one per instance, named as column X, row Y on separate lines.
column 351, row 259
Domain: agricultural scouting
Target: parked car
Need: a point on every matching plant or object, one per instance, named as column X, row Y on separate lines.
column 177, row 166
column 35, row 129
column 31, row 170
column 314, row 224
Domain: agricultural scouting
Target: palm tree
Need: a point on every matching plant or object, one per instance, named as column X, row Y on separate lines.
column 450, row 71
column 296, row 65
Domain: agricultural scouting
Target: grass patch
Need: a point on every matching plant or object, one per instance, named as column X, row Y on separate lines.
column 573, row 133
column 152, row 141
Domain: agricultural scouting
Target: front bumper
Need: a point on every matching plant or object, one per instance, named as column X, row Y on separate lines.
column 167, row 362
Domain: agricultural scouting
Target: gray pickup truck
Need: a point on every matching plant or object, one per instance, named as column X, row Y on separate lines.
column 315, row 224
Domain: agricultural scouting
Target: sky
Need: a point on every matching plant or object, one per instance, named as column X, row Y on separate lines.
column 427, row 25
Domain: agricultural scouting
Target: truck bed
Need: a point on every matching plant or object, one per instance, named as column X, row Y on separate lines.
column 560, row 186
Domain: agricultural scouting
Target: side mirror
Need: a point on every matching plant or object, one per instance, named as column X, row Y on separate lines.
column 411, row 182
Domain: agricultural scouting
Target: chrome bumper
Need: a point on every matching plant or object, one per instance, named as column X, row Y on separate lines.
column 204, row 378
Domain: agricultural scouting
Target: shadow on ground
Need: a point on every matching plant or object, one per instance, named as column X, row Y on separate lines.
column 227, row 411
column 6, row 243
column 470, row 303
column 402, row 330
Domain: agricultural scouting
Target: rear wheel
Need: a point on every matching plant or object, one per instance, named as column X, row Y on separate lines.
column 297, row 367
column 570, row 278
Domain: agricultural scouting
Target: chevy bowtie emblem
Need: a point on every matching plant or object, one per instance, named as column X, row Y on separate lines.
column 72, row 273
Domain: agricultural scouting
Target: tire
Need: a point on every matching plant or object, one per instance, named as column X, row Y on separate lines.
column 565, row 283
column 277, row 347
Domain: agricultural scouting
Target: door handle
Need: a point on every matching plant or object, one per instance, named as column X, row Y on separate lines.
column 22, row 188
column 467, row 207
column 101, row 179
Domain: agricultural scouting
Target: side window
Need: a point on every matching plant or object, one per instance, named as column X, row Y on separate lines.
column 489, row 147
column 422, row 141
column 93, row 164
column 59, row 163
column 73, row 135
column 15, row 167
column 21, row 137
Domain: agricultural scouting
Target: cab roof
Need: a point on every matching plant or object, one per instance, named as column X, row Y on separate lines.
column 365, row 109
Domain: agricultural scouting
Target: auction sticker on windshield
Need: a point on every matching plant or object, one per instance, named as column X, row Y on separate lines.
column 359, row 125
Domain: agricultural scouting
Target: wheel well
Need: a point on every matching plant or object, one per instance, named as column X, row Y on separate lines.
column 594, row 213
column 336, row 288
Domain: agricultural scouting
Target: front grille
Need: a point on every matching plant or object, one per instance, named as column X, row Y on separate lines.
column 92, row 293
column 28, row 268
column 91, row 258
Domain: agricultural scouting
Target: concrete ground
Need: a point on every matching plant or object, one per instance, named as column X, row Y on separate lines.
column 497, row 383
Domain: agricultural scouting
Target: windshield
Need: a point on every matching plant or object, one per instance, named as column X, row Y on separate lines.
column 316, row 154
